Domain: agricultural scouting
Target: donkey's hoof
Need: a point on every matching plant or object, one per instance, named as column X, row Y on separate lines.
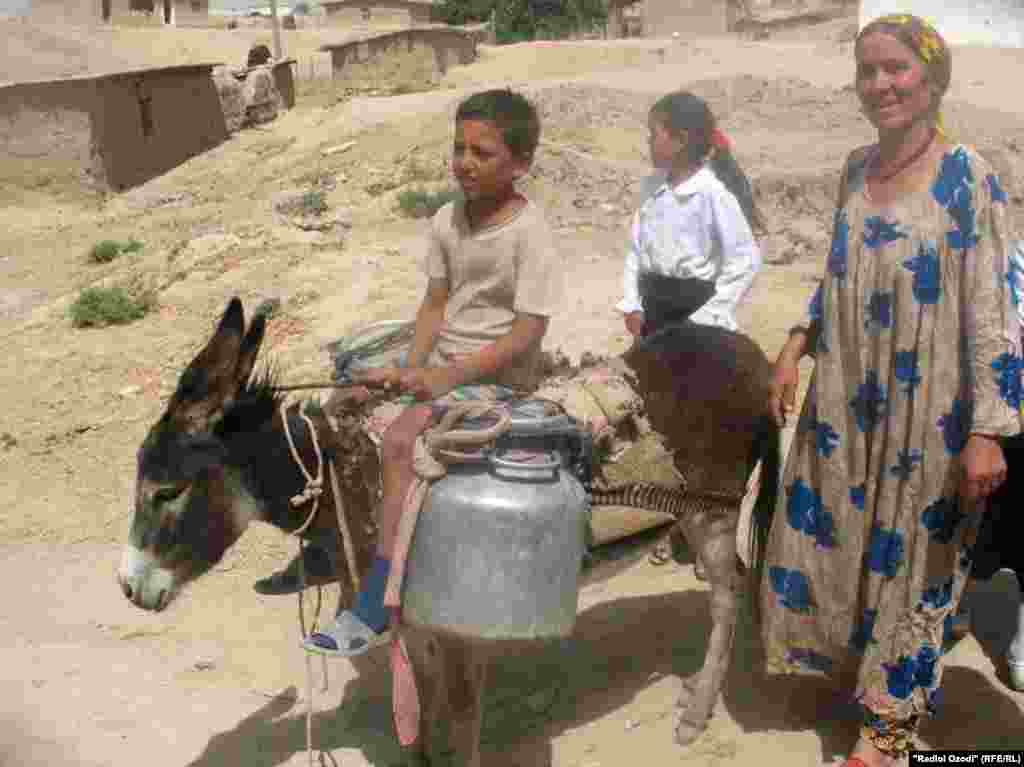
column 699, row 571
column 688, row 731
column 687, row 689
column 415, row 756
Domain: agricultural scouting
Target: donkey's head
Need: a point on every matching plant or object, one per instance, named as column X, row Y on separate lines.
column 191, row 496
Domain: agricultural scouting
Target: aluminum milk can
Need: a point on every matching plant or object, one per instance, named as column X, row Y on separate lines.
column 499, row 543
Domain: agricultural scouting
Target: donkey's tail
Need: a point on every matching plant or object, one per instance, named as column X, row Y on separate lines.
column 768, row 450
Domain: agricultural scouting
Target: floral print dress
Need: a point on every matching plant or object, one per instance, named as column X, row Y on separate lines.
column 917, row 347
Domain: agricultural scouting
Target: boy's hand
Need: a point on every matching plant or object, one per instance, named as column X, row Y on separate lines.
column 384, row 378
column 428, row 383
column 423, row 383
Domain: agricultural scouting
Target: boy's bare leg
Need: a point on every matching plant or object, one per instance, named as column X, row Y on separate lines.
column 397, row 471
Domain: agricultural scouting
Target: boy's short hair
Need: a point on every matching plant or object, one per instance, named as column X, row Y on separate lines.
column 515, row 117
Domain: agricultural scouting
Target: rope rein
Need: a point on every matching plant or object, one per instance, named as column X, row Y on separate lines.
column 312, row 492
column 314, row 485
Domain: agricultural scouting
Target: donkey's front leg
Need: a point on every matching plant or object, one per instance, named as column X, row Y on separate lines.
column 713, row 537
column 428, row 665
column 465, row 666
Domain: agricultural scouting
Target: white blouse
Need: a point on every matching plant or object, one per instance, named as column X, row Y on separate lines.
column 696, row 229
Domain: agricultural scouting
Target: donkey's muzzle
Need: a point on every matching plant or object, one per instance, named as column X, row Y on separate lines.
column 143, row 581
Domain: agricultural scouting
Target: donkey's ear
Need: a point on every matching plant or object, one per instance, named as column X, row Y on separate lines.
column 250, row 349
column 220, row 357
column 209, row 380
column 232, row 322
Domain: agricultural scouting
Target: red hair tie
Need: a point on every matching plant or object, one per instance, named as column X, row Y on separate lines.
column 720, row 140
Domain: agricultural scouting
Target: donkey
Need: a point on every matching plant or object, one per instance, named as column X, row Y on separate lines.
column 219, row 458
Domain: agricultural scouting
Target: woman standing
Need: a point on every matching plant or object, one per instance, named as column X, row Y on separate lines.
column 916, row 378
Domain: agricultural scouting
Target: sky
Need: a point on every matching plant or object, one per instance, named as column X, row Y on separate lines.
column 14, row 7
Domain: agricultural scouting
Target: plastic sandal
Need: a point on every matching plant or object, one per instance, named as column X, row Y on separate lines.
column 661, row 553
column 346, row 637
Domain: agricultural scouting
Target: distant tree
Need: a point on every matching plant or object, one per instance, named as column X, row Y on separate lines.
column 463, row 11
column 519, row 20
column 302, row 8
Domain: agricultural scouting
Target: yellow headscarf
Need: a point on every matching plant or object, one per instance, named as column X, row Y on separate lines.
column 924, row 40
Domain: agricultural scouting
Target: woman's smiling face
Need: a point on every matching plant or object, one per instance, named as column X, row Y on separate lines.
column 892, row 83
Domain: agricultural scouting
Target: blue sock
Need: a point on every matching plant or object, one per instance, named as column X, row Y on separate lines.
column 370, row 602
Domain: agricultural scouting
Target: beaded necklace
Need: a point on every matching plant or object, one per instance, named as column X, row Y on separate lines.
column 876, row 171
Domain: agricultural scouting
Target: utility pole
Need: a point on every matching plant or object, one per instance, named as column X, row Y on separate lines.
column 277, row 30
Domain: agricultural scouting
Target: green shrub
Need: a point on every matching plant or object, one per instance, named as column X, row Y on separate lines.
column 313, row 202
column 96, row 307
column 105, row 251
column 419, row 203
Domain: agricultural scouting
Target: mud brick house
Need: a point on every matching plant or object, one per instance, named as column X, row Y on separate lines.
column 416, row 53
column 118, row 130
column 393, row 12
column 177, row 12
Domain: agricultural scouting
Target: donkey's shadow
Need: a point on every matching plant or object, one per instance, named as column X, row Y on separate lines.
column 535, row 691
column 619, row 648
column 273, row 734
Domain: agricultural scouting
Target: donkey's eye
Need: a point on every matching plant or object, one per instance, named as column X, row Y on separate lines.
column 168, row 494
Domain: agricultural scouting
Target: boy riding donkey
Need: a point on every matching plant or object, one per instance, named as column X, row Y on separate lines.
column 494, row 280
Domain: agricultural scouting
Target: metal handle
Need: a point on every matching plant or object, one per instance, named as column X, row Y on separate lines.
column 504, row 463
column 551, row 426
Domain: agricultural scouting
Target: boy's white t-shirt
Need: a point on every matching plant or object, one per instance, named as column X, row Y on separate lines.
column 492, row 275
column 695, row 229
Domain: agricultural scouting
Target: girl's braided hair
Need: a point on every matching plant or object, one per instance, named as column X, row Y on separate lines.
column 683, row 111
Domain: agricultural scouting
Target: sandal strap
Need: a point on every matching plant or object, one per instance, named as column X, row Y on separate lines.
column 348, row 635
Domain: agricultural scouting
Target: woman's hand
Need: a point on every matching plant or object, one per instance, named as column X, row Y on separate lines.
column 635, row 324
column 785, row 382
column 786, row 378
column 983, row 467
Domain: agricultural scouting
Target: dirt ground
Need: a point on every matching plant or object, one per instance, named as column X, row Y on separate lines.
column 219, row 678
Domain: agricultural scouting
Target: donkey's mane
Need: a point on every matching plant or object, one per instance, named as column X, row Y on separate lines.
column 254, row 404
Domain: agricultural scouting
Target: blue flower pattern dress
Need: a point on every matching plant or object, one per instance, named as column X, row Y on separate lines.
column 917, row 346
